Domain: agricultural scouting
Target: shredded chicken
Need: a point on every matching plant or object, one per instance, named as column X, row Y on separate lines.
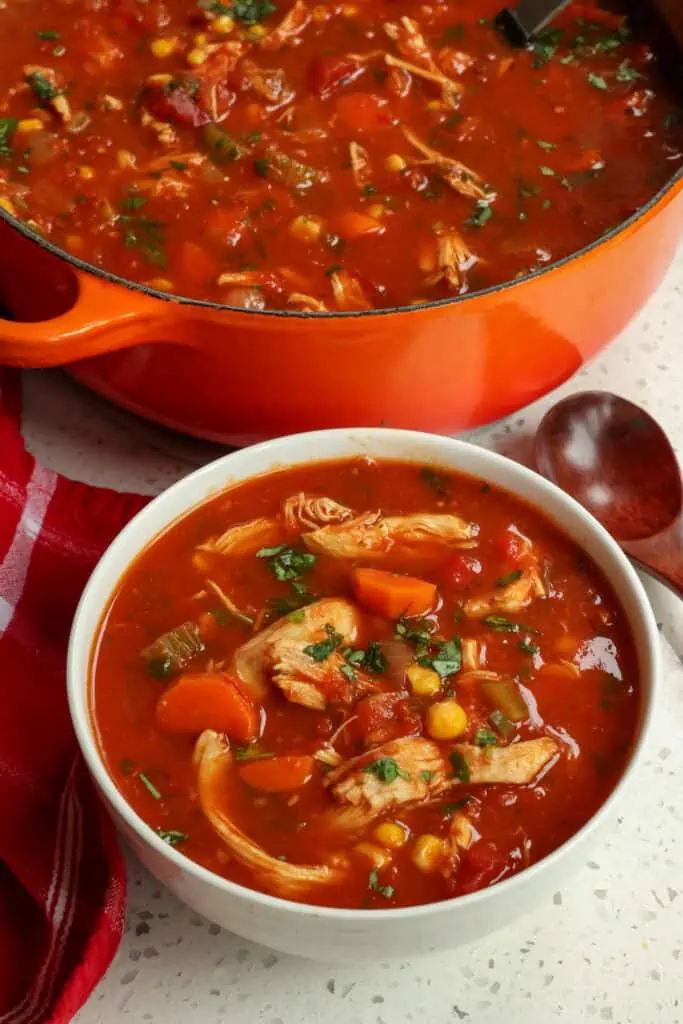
column 165, row 133
column 372, row 536
column 228, row 603
column 360, row 164
column 306, row 510
column 348, row 292
column 365, row 793
column 518, row 763
column 419, row 59
column 453, row 172
column 508, row 599
column 278, row 652
column 307, row 303
column 470, row 654
column 450, row 90
column 215, row 765
column 292, row 25
column 246, row 538
column 454, row 260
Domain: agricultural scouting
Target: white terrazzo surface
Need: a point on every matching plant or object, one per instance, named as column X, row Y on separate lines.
column 608, row 947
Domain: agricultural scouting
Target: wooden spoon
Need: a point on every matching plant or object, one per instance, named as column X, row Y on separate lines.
column 617, row 461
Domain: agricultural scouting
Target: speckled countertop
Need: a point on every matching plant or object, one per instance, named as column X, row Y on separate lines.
column 607, row 947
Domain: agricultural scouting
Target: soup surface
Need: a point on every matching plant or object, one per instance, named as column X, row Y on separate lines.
column 364, row 684
column 264, row 153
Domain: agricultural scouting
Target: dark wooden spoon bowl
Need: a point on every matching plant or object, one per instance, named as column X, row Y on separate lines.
column 618, row 463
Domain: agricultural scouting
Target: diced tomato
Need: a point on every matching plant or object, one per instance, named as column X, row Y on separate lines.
column 361, row 111
column 479, row 866
column 511, row 546
column 330, row 73
column 386, row 716
column 175, row 106
column 459, row 570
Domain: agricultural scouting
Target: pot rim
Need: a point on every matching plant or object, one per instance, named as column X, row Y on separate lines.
column 191, row 491
column 105, row 275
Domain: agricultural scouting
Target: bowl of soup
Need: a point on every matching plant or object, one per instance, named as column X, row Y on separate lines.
column 358, row 691
column 254, row 218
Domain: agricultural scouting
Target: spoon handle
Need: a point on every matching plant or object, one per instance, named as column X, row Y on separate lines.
column 661, row 555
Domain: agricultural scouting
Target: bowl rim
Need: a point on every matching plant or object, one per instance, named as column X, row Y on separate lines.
column 114, row 563
column 666, row 193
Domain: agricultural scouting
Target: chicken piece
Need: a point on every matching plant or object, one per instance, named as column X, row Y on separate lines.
column 462, row 832
column 450, row 90
column 410, row 42
column 456, row 174
column 348, row 292
column 215, row 765
column 305, row 510
column 454, row 260
column 268, row 83
column 278, row 652
column 508, row 599
column 165, row 133
column 372, row 536
column 406, row 771
column 292, row 25
column 246, row 538
column 518, row 763
column 360, row 164
column 306, row 303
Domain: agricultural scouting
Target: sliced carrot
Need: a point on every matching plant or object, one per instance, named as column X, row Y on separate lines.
column 392, row 595
column 278, row 774
column 352, row 225
column 199, row 701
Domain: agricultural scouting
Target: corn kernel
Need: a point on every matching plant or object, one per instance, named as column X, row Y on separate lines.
column 390, row 834
column 394, row 162
column 162, row 284
column 30, row 124
column 424, row 682
column 377, row 211
column 223, row 24
column 375, row 854
column 161, row 78
column 306, row 229
column 427, row 852
column 164, row 47
column 257, row 30
column 349, row 10
column 201, row 39
column 124, row 159
column 74, row 243
column 197, row 56
column 8, row 206
column 445, row 720
column 436, row 105
column 86, row 171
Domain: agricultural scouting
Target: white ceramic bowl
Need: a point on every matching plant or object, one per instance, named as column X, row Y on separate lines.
column 334, row 934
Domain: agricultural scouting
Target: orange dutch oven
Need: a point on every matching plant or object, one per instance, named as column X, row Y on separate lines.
column 235, row 376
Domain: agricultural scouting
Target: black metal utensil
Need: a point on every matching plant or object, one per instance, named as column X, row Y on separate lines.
column 520, row 24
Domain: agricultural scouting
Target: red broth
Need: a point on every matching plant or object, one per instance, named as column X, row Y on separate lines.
column 200, row 149
column 517, row 601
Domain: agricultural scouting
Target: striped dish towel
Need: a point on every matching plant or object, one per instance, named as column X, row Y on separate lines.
column 62, row 881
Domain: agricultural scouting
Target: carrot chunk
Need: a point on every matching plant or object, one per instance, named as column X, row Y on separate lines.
column 390, row 594
column 278, row 774
column 352, row 225
column 201, row 701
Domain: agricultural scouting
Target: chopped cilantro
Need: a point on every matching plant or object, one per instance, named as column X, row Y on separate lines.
column 481, row 214
column 178, row 165
column 48, row 33
column 501, row 723
column 597, row 81
column 8, row 126
column 42, row 87
column 141, row 232
column 149, row 785
column 287, row 563
column 172, row 837
column 526, row 646
column 249, row 12
column 625, row 73
column 324, row 648
column 501, row 624
column 457, row 805
column 375, row 661
column 374, row 884
column 461, row 769
column 511, row 577
column 485, row 738
column 370, row 190
column 386, row 769
column 447, row 660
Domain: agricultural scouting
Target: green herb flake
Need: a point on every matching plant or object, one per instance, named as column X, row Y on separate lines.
column 43, row 88
column 261, row 167
column 253, row 138
column 370, row 190
column 461, row 768
column 298, row 615
column 8, row 125
column 427, row 776
column 457, row 805
column 597, row 81
column 172, row 837
column 249, row 12
column 501, row 624
column 548, row 172
column 512, row 577
column 48, row 33
column 526, row 646
column 287, row 563
column 447, row 660
column 373, row 883
column 323, row 649
column 149, row 785
column 177, row 165
column 481, row 214
column 251, row 752
column 387, row 769
column 485, row 738
column 625, row 73
column 501, row 723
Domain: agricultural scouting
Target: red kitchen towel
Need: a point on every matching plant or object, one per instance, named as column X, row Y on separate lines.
column 62, row 880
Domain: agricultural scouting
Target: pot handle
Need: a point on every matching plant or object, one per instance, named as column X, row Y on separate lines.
column 102, row 319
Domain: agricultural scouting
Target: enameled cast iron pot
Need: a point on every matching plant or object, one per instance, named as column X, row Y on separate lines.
column 236, row 376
